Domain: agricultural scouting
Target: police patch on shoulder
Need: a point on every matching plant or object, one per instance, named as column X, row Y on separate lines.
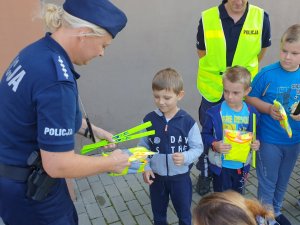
column 62, row 69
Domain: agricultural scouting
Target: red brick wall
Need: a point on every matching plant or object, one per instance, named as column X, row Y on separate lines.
column 19, row 27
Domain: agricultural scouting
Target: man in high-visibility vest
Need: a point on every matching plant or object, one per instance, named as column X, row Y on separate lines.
column 233, row 33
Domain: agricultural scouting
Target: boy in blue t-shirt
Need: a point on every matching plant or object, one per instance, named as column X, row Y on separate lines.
column 177, row 142
column 278, row 153
column 232, row 116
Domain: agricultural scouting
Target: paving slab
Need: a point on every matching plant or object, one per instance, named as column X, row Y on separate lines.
column 125, row 200
column 105, row 200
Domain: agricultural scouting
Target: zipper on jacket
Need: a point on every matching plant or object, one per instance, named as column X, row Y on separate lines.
column 168, row 145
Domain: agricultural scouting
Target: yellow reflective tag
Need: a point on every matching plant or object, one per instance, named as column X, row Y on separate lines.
column 214, row 34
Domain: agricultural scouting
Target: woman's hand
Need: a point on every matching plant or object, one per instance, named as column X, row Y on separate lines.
column 99, row 134
column 120, row 161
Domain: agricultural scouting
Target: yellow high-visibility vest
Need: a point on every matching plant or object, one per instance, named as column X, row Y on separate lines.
column 213, row 64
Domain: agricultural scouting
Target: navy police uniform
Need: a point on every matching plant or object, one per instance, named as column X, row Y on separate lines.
column 39, row 110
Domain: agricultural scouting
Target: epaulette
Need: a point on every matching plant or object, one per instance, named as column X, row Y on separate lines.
column 62, row 69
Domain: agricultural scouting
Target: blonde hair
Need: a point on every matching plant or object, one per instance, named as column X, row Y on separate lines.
column 292, row 34
column 238, row 74
column 55, row 17
column 229, row 208
column 167, row 79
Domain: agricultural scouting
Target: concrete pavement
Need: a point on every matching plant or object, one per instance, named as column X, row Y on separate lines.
column 124, row 200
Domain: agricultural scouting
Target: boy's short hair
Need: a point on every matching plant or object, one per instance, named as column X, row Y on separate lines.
column 238, row 74
column 167, row 79
column 292, row 34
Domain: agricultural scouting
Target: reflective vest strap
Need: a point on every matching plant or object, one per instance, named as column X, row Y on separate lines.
column 215, row 43
column 250, row 40
column 209, row 80
column 213, row 64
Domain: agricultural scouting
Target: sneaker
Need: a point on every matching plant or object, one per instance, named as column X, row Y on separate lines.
column 203, row 185
column 271, row 222
column 263, row 221
column 282, row 220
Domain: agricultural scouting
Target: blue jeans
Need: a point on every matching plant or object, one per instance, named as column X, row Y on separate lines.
column 274, row 165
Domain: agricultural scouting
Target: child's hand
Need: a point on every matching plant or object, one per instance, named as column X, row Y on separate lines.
column 221, row 147
column 274, row 113
column 178, row 158
column 255, row 145
column 147, row 175
column 295, row 117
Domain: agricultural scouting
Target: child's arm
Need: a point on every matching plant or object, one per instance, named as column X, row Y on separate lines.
column 219, row 146
column 295, row 117
column 178, row 158
column 147, row 175
column 210, row 140
column 264, row 107
column 195, row 148
column 207, row 133
column 255, row 145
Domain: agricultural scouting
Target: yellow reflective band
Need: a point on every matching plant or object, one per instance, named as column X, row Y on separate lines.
column 214, row 34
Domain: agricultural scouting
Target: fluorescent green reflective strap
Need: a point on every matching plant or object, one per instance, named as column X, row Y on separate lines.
column 94, row 146
column 88, row 148
column 213, row 64
column 133, row 130
column 101, row 143
column 249, row 43
column 135, row 136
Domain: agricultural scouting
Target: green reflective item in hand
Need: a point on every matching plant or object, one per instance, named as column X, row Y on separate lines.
column 121, row 137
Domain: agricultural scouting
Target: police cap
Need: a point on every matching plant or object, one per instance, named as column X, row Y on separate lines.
column 99, row 12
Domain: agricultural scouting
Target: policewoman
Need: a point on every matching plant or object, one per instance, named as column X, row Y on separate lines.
column 233, row 33
column 39, row 115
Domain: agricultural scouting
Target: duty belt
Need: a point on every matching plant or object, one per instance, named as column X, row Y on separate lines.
column 14, row 172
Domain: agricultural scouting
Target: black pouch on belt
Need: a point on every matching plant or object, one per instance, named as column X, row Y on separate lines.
column 39, row 183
